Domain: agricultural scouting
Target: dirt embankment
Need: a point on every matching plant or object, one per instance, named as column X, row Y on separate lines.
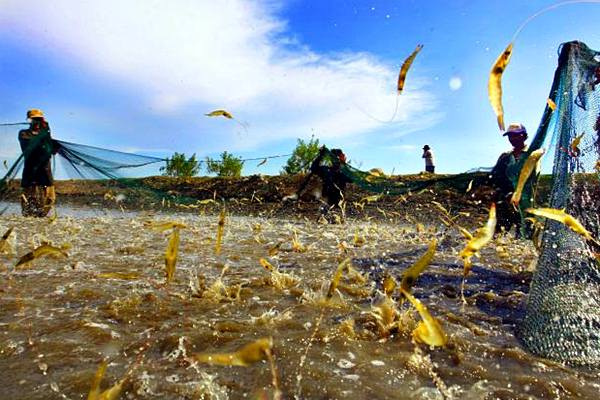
column 263, row 195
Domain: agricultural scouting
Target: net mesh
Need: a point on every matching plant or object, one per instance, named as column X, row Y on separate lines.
column 77, row 161
column 562, row 321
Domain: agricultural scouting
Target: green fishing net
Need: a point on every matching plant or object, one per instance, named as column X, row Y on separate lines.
column 562, row 321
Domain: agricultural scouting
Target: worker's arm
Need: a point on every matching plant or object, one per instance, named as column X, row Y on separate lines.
column 314, row 167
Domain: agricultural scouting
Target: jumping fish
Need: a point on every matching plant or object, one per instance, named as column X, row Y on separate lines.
column 220, row 227
column 266, row 265
column 428, row 331
column 112, row 393
column 575, row 145
column 256, row 351
column 171, row 255
column 495, row 84
column 481, row 237
column 40, row 251
column 564, row 218
column 165, row 226
column 335, row 281
column 119, row 275
column 528, row 167
column 411, row 274
column 389, row 284
column 5, row 238
column 219, row 113
column 406, row 66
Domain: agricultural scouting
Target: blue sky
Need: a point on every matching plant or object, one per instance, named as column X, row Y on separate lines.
column 139, row 75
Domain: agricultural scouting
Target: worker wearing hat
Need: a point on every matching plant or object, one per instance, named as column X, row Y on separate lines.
column 505, row 175
column 37, row 182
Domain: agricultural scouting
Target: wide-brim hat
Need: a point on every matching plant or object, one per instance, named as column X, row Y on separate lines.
column 35, row 113
column 516, row 129
column 426, row 147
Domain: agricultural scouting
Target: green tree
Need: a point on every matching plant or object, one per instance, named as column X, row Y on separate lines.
column 302, row 156
column 178, row 166
column 228, row 165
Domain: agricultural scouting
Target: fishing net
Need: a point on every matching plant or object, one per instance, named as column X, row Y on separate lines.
column 562, row 321
column 76, row 161
column 376, row 182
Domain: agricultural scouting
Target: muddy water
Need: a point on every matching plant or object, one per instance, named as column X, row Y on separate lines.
column 59, row 318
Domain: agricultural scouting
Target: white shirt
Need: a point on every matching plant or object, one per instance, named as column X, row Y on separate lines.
column 428, row 156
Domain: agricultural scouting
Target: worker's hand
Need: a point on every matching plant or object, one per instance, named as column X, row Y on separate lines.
column 290, row 197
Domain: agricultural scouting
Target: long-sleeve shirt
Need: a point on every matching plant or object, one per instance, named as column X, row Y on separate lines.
column 37, row 147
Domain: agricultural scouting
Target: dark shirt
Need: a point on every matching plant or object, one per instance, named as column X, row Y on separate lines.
column 505, row 175
column 38, row 148
column 504, row 179
column 500, row 179
column 334, row 182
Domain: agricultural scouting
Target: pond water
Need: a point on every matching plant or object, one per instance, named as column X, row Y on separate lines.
column 108, row 300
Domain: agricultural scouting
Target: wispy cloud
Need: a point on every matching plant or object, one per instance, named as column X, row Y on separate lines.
column 403, row 147
column 234, row 54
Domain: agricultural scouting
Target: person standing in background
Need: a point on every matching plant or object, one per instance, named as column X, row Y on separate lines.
column 429, row 161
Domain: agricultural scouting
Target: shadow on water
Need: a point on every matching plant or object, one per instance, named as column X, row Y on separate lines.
column 497, row 293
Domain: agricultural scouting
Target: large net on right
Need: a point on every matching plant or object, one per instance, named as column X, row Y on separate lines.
column 562, row 321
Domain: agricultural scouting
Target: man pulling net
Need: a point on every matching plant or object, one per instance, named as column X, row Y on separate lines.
column 37, row 181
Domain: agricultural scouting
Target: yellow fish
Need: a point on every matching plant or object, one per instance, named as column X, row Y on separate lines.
column 551, row 104
column 481, row 237
column 469, row 186
column 266, row 265
column 465, row 233
column 112, row 393
column 440, row 207
column 575, row 145
column 335, row 281
column 275, row 249
column 358, row 240
column 564, row 218
column 171, row 255
column 206, row 201
column 40, row 251
column 370, row 199
column 249, row 354
column 495, row 84
column 412, row 273
column 165, row 226
column 219, row 113
column 220, row 228
column 119, row 275
column 296, row 245
column 406, row 66
column 528, row 167
column 5, row 238
column 428, row 331
column 389, row 284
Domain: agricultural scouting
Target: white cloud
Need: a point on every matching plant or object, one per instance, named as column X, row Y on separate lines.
column 231, row 54
column 403, row 147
